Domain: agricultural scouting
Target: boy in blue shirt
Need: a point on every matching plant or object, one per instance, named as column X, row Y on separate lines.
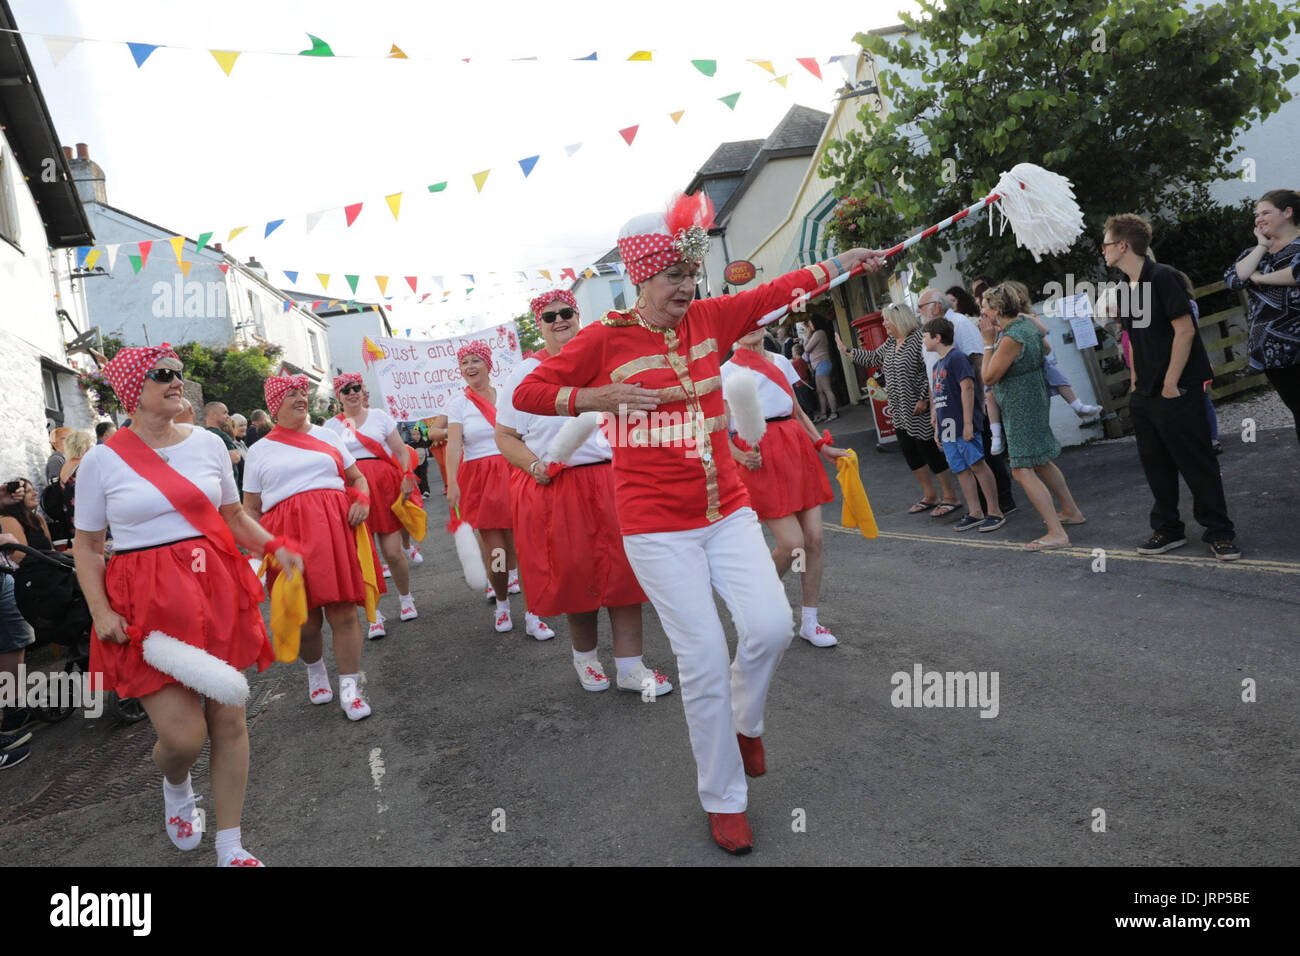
column 957, row 420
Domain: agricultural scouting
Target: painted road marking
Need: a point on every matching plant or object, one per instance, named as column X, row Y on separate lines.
column 1112, row 553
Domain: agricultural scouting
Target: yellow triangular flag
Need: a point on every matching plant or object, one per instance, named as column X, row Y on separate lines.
column 178, row 246
column 677, row 117
column 546, row 274
column 185, row 268
column 641, row 55
column 225, row 59
column 91, row 258
column 324, row 279
column 382, row 282
column 234, row 232
column 781, row 79
column 587, row 274
column 394, row 203
column 333, row 302
column 396, row 53
column 764, row 64
column 481, row 178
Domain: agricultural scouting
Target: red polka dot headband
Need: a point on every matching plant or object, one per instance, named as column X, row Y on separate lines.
column 650, row 244
column 480, row 349
column 125, row 372
column 347, row 378
column 276, row 387
column 555, row 295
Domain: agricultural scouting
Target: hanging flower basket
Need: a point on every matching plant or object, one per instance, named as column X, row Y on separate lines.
column 99, row 392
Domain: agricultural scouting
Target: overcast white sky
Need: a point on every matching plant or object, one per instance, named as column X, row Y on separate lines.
column 186, row 147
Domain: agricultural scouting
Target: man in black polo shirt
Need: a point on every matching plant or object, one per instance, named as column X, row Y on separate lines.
column 1168, row 374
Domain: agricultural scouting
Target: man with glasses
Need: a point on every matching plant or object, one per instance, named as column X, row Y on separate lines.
column 966, row 338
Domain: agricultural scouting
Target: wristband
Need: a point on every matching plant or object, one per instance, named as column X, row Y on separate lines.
column 357, row 496
column 988, row 348
column 839, row 265
column 824, row 440
column 280, row 541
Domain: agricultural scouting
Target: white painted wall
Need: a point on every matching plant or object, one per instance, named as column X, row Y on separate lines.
column 596, row 296
column 345, row 333
column 759, row 211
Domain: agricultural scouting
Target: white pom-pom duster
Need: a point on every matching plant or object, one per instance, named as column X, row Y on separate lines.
column 1040, row 206
column 741, row 393
column 471, row 558
column 571, row 436
column 196, row 669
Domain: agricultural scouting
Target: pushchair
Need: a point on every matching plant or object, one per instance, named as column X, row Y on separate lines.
column 49, row 598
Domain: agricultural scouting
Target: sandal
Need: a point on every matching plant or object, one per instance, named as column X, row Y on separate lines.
column 922, row 505
column 1041, row 545
column 1082, row 520
column 944, row 508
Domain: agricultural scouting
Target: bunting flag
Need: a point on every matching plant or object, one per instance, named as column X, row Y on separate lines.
column 291, row 276
column 91, row 258
column 469, row 276
column 203, row 241
column 382, row 282
column 620, row 268
column 589, row 56
column 764, row 65
column 730, row 100
column 82, row 252
column 527, row 165
column 185, row 268
column 370, row 352
column 411, row 281
column 394, row 203
column 324, row 280
column 481, row 178
column 144, row 248
column 572, row 148
column 224, row 267
column 641, row 55
column 781, row 79
column 59, row 47
column 140, row 52
column 629, row 133
column 318, row 47
column 809, row 63
column 287, row 304
column 234, row 232
column 352, row 282
column 272, row 226
column 313, row 218
column 178, row 246
column 136, row 264
column 438, row 187
column 568, row 274
column 677, row 116
column 396, row 53
column 351, row 212
column 707, row 67
column 587, row 273
column 111, row 252
column 225, row 59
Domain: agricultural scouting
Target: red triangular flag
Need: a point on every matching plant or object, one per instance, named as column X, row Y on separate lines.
column 569, row 273
column 145, row 246
column 809, row 63
column 224, row 266
column 352, row 212
column 411, row 281
column 629, row 134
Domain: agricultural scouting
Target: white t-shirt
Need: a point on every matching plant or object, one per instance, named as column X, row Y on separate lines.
column 378, row 425
column 966, row 338
column 773, row 400
column 277, row 471
column 111, row 495
column 539, row 431
column 478, row 435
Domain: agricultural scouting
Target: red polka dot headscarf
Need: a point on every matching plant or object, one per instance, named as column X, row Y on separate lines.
column 276, row 387
column 555, row 295
column 653, row 242
column 347, row 378
column 125, row 372
column 481, row 349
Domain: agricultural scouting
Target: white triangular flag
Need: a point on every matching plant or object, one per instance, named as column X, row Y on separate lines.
column 313, row 218
column 573, row 148
column 849, row 64
column 111, row 251
column 59, row 47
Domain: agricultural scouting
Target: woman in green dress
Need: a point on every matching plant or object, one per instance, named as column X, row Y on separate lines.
column 1014, row 367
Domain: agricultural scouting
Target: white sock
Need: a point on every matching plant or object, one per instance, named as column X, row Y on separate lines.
column 996, row 428
column 228, row 844
column 584, row 657
column 626, row 664
column 317, row 673
column 174, row 793
column 406, row 599
column 503, row 606
column 809, row 622
column 346, row 682
column 1077, row 405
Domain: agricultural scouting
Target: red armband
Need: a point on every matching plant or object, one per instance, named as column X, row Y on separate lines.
column 824, row 440
column 358, row 497
column 280, row 541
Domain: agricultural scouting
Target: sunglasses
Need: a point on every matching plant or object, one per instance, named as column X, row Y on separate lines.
column 565, row 314
column 350, row 389
column 164, row 376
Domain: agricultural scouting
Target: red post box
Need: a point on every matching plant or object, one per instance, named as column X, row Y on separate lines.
column 871, row 333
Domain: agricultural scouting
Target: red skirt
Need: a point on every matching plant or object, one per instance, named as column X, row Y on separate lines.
column 191, row 591
column 792, row 478
column 485, row 492
column 385, row 483
column 567, row 538
column 318, row 520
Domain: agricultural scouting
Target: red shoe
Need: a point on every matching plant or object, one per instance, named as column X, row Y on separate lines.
column 751, row 752
column 731, row 832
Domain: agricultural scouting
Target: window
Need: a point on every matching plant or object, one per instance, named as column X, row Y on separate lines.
column 315, row 348
column 9, row 173
column 53, row 400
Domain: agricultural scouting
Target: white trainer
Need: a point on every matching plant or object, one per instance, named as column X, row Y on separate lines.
column 489, row 593
column 818, row 636
column 354, row 705
column 242, row 857
column 642, row 679
column 320, row 693
column 512, row 581
column 184, row 822
column 591, row 674
column 414, row 556
column 409, row 613
column 387, row 572
column 535, row 627
column 377, row 629
column 503, row 622
column 998, row 445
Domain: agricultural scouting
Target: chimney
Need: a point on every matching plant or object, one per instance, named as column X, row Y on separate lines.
column 67, row 153
column 83, row 151
column 87, row 175
column 217, row 246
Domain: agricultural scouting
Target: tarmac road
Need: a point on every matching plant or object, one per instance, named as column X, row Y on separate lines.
column 1119, row 693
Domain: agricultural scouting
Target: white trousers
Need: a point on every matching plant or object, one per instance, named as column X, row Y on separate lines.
column 679, row 571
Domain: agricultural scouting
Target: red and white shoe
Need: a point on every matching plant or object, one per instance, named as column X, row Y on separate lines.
column 489, row 593
column 377, row 629
column 409, row 613
column 413, row 555
column 731, row 832
column 242, row 857
column 818, row 636
column 502, row 622
column 536, row 628
column 319, row 693
column 184, row 822
column 643, row 679
column 354, row 705
column 387, row 571
column 512, row 581
column 591, row 674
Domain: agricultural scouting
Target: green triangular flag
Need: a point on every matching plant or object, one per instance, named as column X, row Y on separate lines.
column 438, row 187
column 729, row 100
column 352, row 281
column 203, row 241
column 707, row 67
column 135, row 264
column 318, row 48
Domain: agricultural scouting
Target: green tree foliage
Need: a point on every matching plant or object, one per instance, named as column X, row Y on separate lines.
column 230, row 375
column 1134, row 102
column 530, row 338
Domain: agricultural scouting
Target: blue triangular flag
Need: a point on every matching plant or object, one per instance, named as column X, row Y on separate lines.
column 469, row 276
column 272, row 226
column 590, row 56
column 287, row 305
column 141, row 51
column 82, row 252
column 291, row 276
column 527, row 165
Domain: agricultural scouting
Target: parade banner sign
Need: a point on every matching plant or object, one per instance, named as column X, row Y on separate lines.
column 419, row 377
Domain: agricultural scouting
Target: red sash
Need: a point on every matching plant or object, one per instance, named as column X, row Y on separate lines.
column 370, row 445
column 183, row 495
column 307, row 442
column 748, row 358
column 482, row 405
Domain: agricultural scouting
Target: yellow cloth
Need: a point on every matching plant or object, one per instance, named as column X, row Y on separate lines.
column 288, row 613
column 857, row 509
column 412, row 517
column 367, row 558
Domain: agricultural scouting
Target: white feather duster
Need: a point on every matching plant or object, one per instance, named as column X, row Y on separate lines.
column 471, row 558
column 1040, row 206
column 741, row 393
column 196, row 669
column 571, row 437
